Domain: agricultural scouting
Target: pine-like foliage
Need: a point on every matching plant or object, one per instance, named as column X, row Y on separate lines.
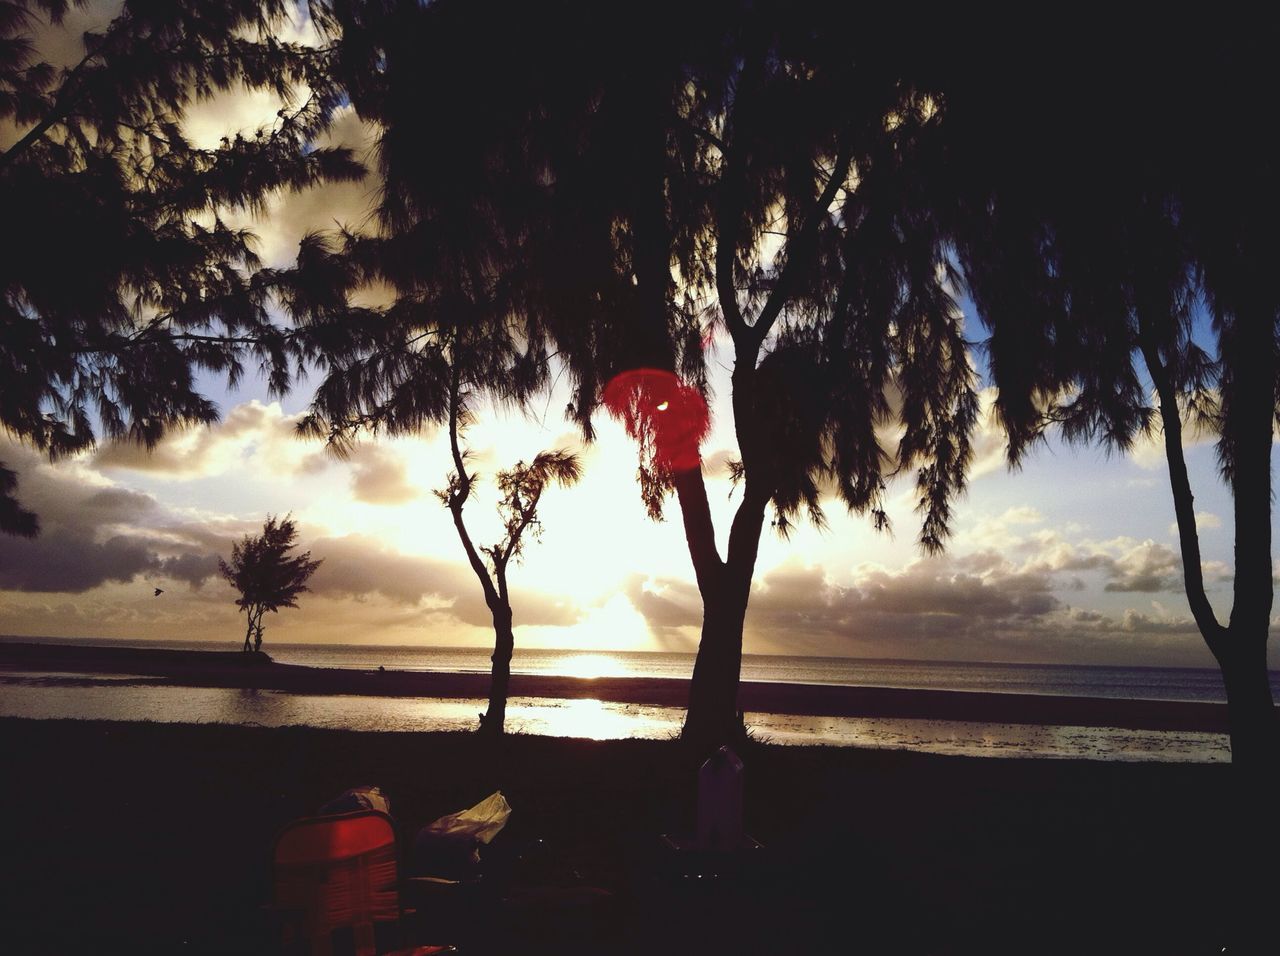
column 727, row 167
column 1126, row 270
column 623, row 192
column 266, row 575
column 120, row 280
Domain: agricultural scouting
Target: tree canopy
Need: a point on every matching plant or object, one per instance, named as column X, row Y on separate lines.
column 121, row 281
column 627, row 202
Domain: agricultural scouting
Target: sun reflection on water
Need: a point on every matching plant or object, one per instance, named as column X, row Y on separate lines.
column 588, row 717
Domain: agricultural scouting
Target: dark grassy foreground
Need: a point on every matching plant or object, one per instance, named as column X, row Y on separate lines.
column 155, row 838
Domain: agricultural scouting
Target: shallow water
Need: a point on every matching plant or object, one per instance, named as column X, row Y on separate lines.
column 102, row 697
column 1071, row 680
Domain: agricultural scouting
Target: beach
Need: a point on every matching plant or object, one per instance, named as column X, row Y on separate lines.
column 149, row 837
column 156, row 838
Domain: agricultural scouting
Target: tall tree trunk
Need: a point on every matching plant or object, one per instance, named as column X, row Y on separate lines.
column 1249, row 417
column 1251, row 712
column 493, row 722
column 1240, row 648
column 713, row 717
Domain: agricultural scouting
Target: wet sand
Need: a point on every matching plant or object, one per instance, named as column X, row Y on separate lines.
column 235, row 669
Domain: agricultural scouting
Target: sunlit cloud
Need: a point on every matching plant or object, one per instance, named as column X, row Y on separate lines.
column 380, row 477
column 1205, row 521
column 249, row 431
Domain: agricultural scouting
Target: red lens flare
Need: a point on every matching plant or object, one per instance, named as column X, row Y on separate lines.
column 668, row 418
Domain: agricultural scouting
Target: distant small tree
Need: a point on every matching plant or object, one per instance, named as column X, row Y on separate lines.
column 265, row 575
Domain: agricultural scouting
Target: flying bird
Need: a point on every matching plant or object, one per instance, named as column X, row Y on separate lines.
column 159, row 591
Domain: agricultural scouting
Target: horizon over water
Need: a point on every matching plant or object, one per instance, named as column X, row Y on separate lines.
column 119, row 697
column 1134, row 682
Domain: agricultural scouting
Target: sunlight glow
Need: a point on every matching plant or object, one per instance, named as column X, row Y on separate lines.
column 591, row 666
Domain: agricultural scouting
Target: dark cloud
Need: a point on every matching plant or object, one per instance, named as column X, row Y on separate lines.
column 90, row 533
column 96, row 535
column 191, row 567
column 60, row 560
column 976, row 606
column 665, row 603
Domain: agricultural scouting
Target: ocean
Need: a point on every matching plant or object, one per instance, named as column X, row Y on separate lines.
column 106, row 697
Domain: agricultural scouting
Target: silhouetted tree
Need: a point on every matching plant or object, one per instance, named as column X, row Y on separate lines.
column 393, row 386
column 266, row 575
column 120, row 280
column 521, row 487
column 1101, row 242
column 1083, row 261
column 723, row 168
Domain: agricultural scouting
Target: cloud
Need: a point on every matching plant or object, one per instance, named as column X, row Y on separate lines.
column 797, row 608
column 665, row 603
column 357, row 566
column 1205, row 521
column 288, row 216
column 379, row 477
column 101, row 539
column 972, row 607
column 93, row 534
column 60, row 560
column 250, row 430
column 1003, row 531
column 990, row 446
column 1147, row 567
column 1148, row 449
column 1124, row 564
column 261, row 440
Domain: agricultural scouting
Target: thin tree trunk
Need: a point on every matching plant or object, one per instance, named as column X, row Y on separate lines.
column 493, row 722
column 1241, row 647
column 248, row 634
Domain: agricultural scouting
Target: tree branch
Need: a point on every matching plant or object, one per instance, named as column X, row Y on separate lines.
column 800, row 247
column 703, row 134
column 62, row 104
column 729, row 202
column 699, row 531
column 456, row 499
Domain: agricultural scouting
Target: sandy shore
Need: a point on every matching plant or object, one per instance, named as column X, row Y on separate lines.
column 155, row 838
column 234, row 669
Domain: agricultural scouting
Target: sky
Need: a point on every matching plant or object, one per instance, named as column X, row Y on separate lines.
column 1072, row 559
